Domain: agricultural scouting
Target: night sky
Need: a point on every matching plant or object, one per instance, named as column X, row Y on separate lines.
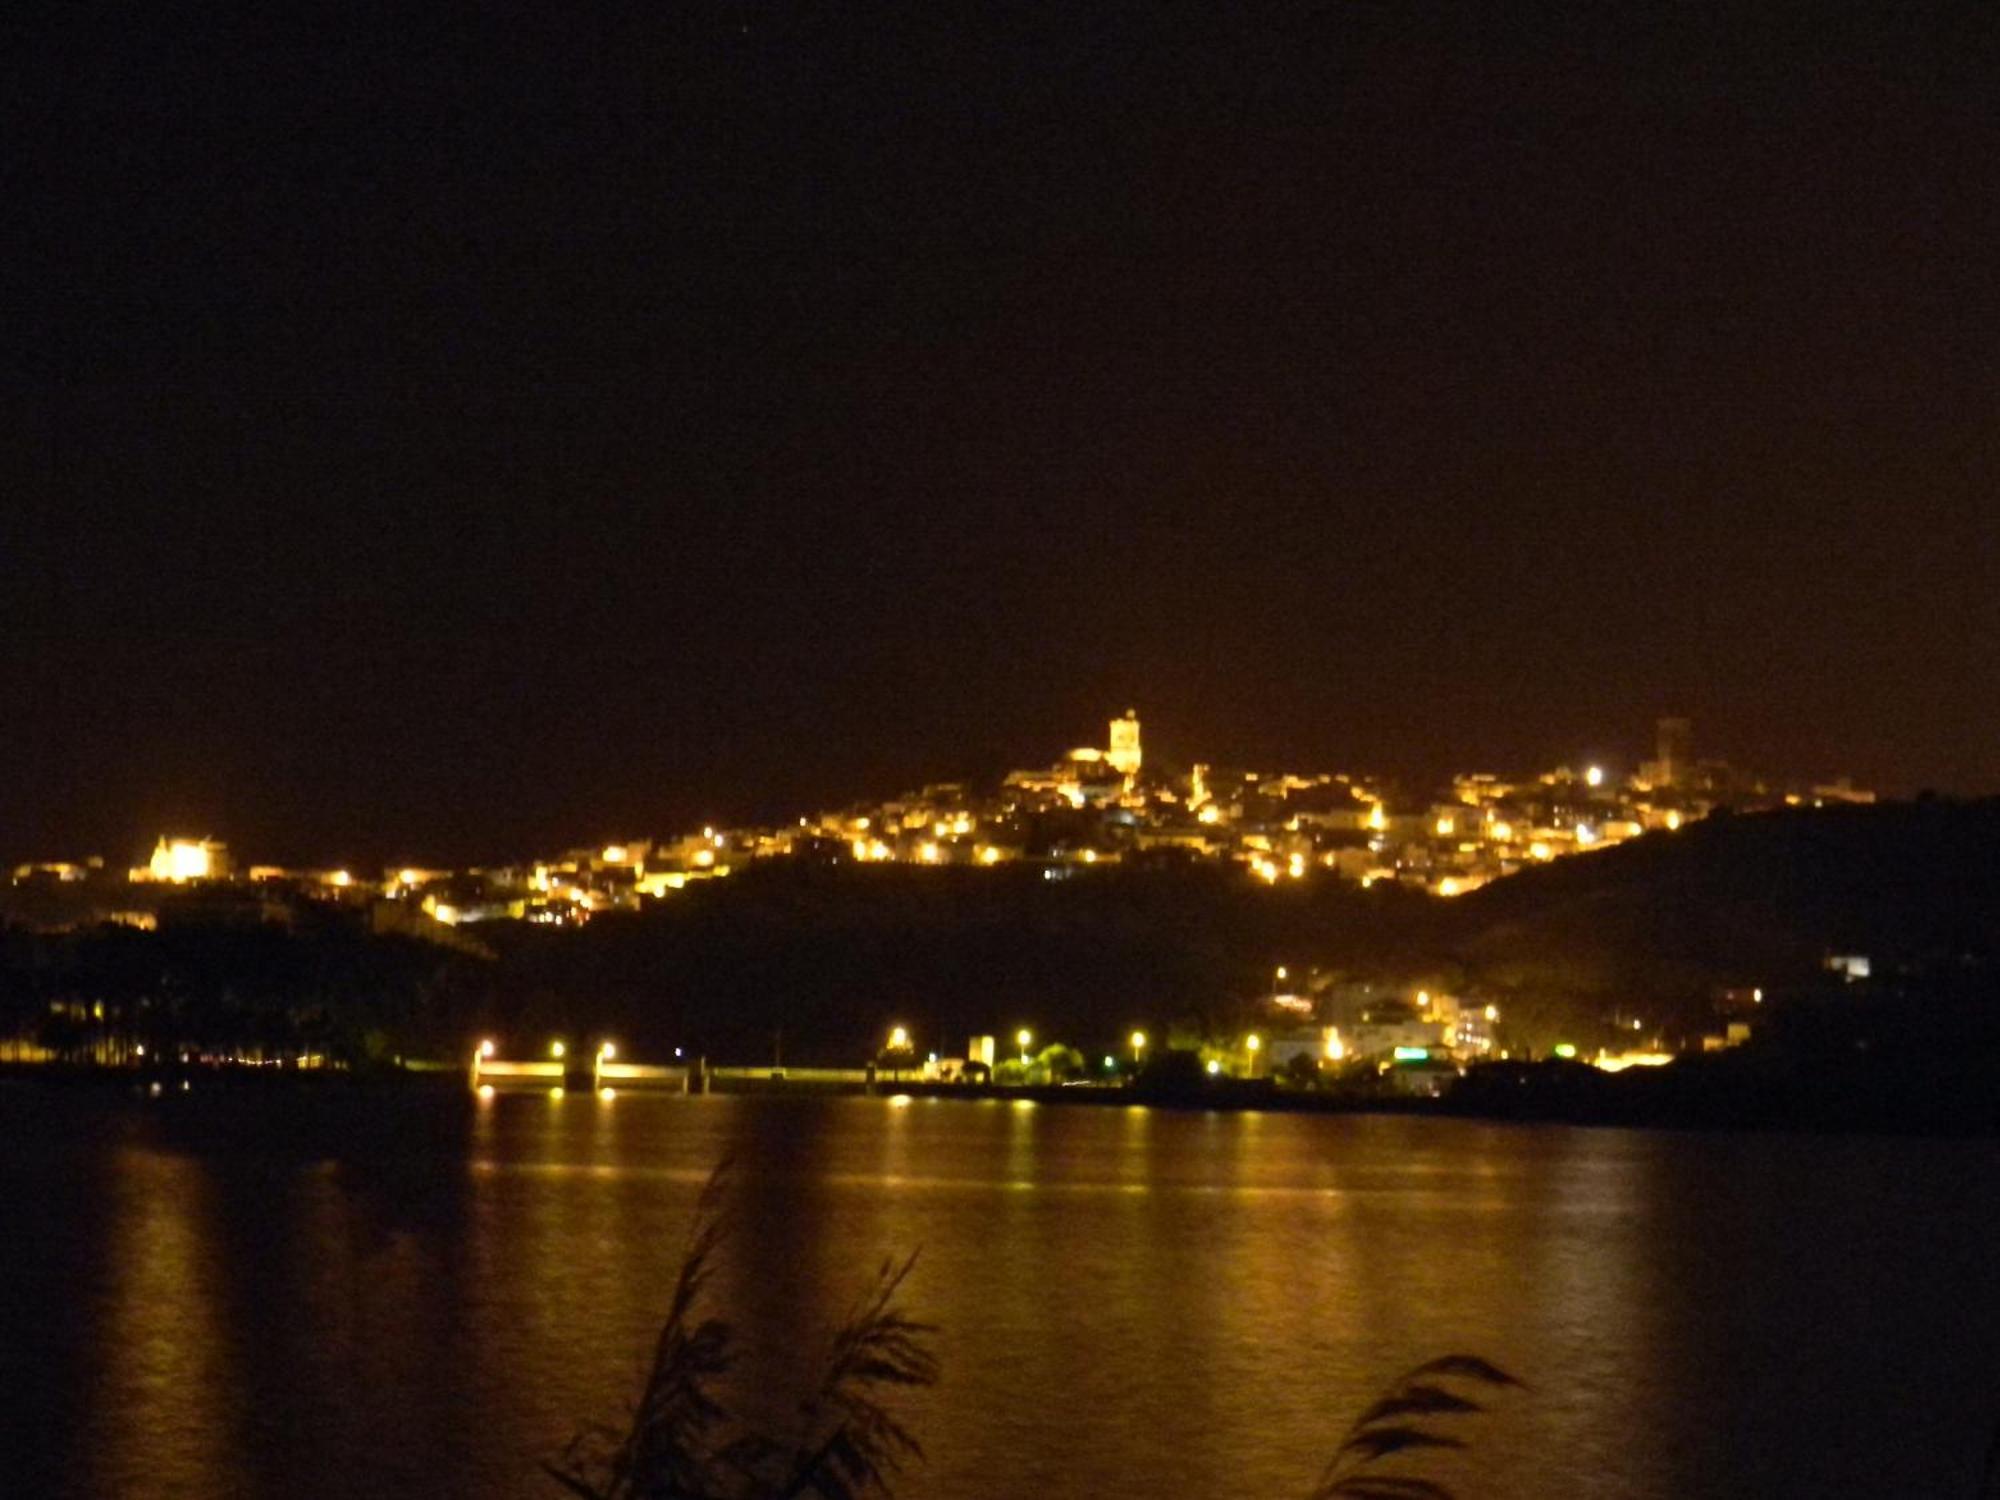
column 454, row 431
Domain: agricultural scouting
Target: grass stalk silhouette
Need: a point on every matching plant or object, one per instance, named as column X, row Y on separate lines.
column 1403, row 1422
column 846, row 1440
column 682, row 1442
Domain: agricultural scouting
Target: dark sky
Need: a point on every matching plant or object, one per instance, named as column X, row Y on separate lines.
column 456, row 430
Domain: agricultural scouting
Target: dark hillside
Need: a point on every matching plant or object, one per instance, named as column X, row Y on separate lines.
column 1748, row 900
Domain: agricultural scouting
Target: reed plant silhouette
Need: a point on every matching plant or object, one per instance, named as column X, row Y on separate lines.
column 683, row 1442
column 1403, row 1422
column 845, row 1441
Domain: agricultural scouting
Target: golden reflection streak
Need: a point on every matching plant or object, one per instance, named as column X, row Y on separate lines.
column 166, row 1372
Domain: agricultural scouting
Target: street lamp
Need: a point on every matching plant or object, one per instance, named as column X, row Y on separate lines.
column 486, row 1048
column 606, row 1052
column 556, row 1050
column 899, row 1038
column 1023, row 1037
column 1138, row 1044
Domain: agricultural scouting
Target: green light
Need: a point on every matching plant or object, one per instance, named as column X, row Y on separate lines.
column 1565, row 1049
column 1413, row 1054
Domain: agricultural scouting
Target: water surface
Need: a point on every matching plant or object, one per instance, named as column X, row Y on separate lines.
column 294, row 1296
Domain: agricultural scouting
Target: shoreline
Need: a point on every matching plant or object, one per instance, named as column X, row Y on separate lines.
column 1602, row 1104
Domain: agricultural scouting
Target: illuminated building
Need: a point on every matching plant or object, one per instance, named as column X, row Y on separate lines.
column 1673, row 754
column 179, row 861
column 1124, row 755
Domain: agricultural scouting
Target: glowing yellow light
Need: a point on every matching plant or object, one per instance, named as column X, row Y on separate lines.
column 1446, row 826
column 861, row 849
column 1214, row 1067
column 989, row 855
column 1585, row 835
column 607, row 1094
column 1448, row 887
column 1673, row 821
column 342, row 878
column 408, row 877
column 556, row 1092
column 1378, row 818
column 614, row 854
column 899, row 1038
column 1023, row 1037
column 1492, row 1012
column 1503, row 831
column 1621, row 1062
column 1423, row 999
column 928, row 852
column 1540, row 850
column 183, row 859
column 1090, row 856
column 1138, row 1041
column 486, row 1048
column 961, row 824
column 486, row 1091
column 607, row 1052
column 1210, row 813
column 1594, row 776
column 1296, row 866
column 704, row 857
column 1253, row 1042
column 1565, row 1049
column 1335, row 1051
column 556, row 1050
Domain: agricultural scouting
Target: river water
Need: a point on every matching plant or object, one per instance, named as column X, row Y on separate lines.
column 298, row 1294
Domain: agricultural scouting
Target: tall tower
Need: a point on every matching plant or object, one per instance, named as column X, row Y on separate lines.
column 1676, row 751
column 1124, row 756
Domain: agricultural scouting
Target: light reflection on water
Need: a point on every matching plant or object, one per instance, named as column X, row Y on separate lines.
column 293, row 1301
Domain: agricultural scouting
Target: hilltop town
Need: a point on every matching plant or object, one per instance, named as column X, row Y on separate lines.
column 1096, row 805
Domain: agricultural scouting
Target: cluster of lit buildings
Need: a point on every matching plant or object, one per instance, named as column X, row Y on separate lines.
column 1095, row 806
column 1098, row 806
